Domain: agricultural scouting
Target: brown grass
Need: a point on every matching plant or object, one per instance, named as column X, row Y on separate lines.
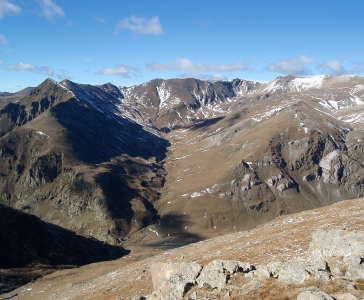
column 284, row 238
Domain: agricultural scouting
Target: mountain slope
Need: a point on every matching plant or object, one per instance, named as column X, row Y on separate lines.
column 51, row 244
column 6, row 98
column 175, row 161
column 78, row 166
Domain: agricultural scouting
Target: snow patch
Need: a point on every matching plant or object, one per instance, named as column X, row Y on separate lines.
column 305, row 83
column 267, row 114
column 150, row 229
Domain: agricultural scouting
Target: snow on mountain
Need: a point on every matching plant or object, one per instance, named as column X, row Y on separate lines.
column 270, row 148
column 295, row 84
column 305, row 83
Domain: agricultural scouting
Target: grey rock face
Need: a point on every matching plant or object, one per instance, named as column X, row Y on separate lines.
column 217, row 272
column 273, row 268
column 171, row 279
column 331, row 253
column 174, row 288
column 294, row 272
column 260, row 272
column 338, row 251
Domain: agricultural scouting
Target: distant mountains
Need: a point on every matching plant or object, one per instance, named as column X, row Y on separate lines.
column 182, row 159
column 6, row 97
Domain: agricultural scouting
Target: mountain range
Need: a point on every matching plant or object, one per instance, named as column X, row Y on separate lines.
column 180, row 160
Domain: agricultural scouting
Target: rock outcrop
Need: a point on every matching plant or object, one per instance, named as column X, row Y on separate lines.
column 333, row 255
column 173, row 279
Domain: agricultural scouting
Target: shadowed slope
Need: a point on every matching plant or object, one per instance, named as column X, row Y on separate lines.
column 25, row 239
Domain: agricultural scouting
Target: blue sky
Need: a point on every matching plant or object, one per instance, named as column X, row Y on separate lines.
column 130, row 42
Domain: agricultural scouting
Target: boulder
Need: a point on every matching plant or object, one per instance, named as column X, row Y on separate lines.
column 339, row 251
column 261, row 271
column 291, row 271
column 163, row 271
column 172, row 279
column 175, row 287
column 295, row 272
column 324, row 276
column 217, row 273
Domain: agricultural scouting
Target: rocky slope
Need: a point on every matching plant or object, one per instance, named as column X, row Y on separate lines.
column 6, row 97
column 286, row 239
column 25, row 240
column 77, row 166
column 175, row 161
column 30, row 247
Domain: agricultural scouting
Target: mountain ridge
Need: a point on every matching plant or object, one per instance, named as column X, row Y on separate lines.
column 181, row 159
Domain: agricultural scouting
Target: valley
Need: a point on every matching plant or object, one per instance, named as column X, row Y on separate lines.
column 173, row 162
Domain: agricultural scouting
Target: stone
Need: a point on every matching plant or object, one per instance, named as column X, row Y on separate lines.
column 153, row 296
column 353, row 262
column 345, row 296
column 314, row 295
column 213, row 276
column 273, row 268
column 295, row 272
column 218, row 272
column 193, row 296
column 163, row 271
column 175, row 287
column 340, row 251
column 336, row 265
column 324, row 276
column 260, row 272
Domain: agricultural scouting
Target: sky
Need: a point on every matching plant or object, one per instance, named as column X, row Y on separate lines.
column 131, row 42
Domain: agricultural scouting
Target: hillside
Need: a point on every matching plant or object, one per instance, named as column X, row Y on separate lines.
column 6, row 97
column 176, row 161
column 285, row 238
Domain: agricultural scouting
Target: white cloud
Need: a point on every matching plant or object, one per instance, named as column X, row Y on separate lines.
column 1, row 61
column 292, row 66
column 22, row 66
column 100, row 20
column 334, row 67
column 184, row 64
column 140, row 25
column 34, row 69
column 201, row 76
column 50, row 9
column 123, row 70
column 3, row 40
column 7, row 8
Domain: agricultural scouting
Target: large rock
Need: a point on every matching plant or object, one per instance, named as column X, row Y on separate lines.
column 175, row 287
column 339, row 251
column 217, row 273
column 295, row 272
column 172, row 279
column 260, row 272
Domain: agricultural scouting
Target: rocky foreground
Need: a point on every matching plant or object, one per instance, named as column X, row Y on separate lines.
column 334, row 264
column 279, row 247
